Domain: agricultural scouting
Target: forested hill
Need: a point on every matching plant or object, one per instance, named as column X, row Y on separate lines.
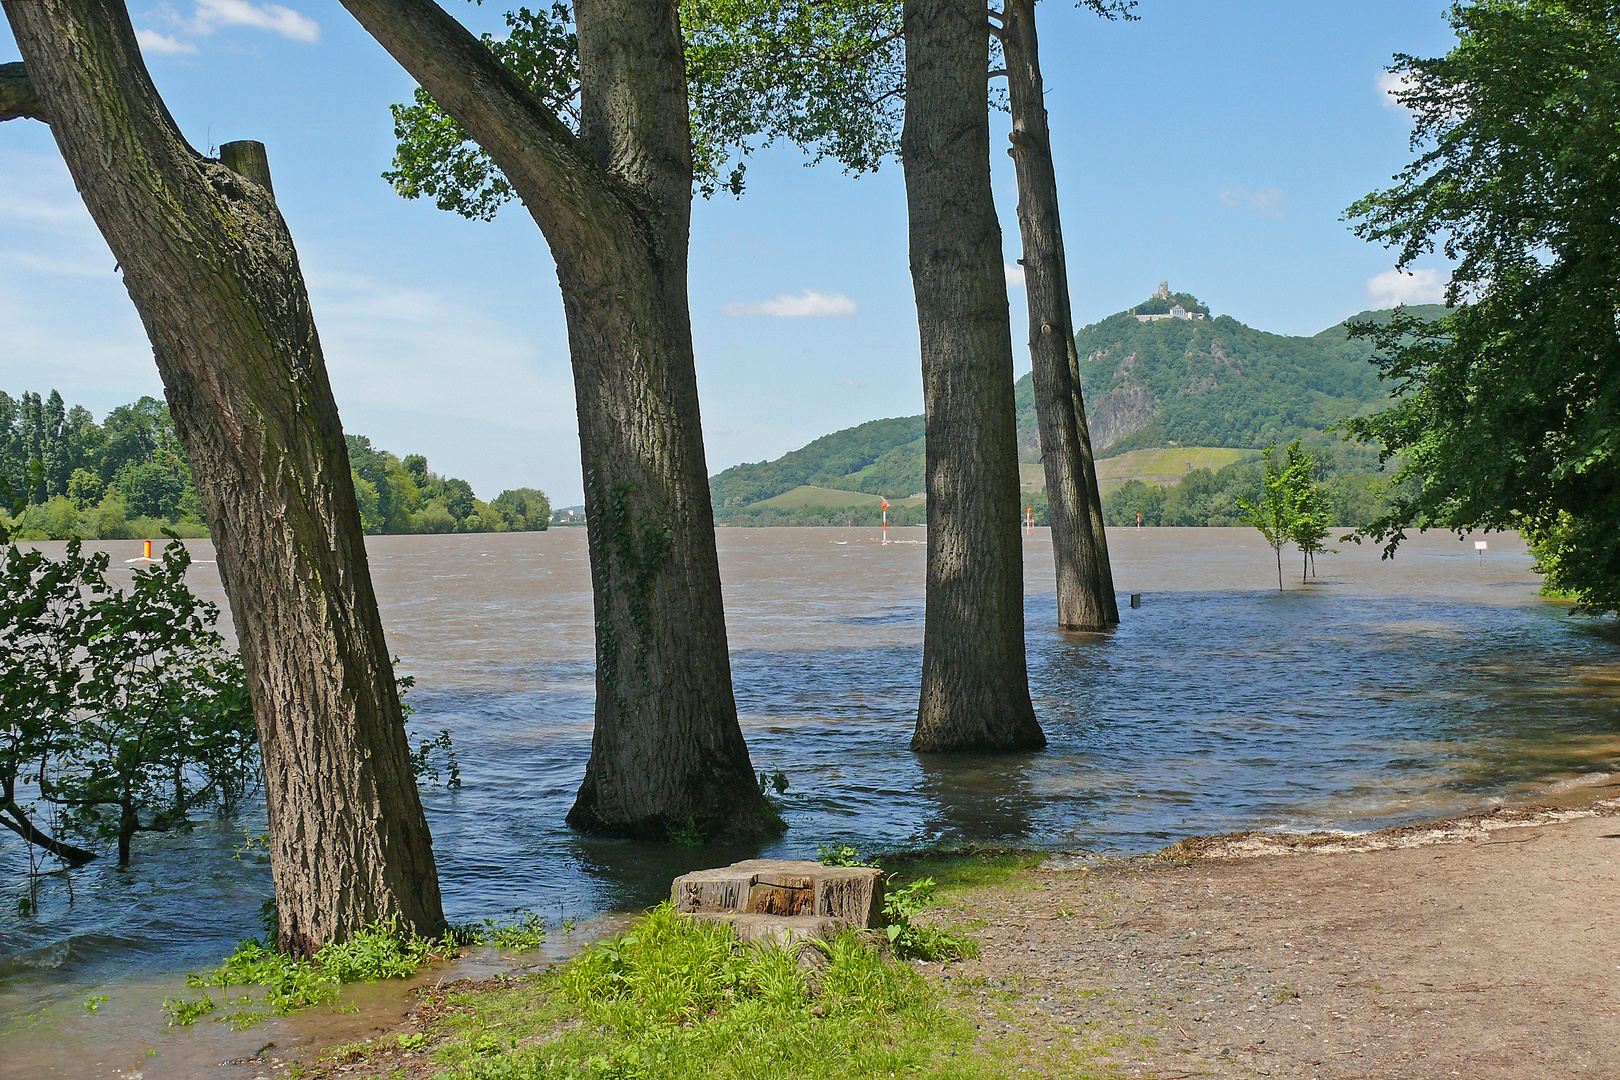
column 882, row 457
column 1215, row 382
column 1187, row 382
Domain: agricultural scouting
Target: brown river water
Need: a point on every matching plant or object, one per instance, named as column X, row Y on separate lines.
column 1382, row 692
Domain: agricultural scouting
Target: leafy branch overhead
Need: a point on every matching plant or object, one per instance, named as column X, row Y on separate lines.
column 828, row 77
column 1505, row 410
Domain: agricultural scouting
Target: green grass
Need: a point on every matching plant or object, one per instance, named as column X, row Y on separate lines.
column 1163, row 466
column 808, row 495
column 971, row 868
column 1167, row 465
column 373, row 952
column 675, row 998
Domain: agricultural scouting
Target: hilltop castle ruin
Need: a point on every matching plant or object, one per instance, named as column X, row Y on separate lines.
column 1175, row 312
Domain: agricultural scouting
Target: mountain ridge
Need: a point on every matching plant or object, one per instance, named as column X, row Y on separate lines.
column 1209, row 382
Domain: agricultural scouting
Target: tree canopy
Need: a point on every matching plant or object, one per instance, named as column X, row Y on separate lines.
column 1505, row 408
column 826, row 76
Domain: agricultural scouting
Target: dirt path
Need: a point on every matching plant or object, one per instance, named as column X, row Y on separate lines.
column 1486, row 947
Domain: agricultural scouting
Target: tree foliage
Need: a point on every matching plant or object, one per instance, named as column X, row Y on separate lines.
column 1506, row 409
column 62, row 475
column 826, row 76
column 1291, row 506
column 123, row 709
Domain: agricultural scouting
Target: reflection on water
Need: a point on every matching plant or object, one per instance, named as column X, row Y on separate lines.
column 1386, row 692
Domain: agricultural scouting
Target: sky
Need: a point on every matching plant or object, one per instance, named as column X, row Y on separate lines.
column 1212, row 143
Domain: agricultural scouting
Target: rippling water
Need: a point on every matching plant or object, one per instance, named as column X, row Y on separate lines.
column 1382, row 693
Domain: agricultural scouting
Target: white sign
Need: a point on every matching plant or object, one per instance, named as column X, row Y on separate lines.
column 1479, row 545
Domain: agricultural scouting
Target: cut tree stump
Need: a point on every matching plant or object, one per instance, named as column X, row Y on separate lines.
column 783, row 902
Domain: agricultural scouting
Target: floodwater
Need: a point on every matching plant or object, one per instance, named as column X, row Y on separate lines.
column 1383, row 692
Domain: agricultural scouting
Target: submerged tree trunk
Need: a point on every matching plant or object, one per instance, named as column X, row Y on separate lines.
column 615, row 207
column 13, row 818
column 1085, row 581
column 975, row 686
column 213, row 273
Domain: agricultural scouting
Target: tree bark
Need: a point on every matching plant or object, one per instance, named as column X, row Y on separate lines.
column 614, row 205
column 213, row 273
column 975, row 686
column 1085, row 581
column 17, row 97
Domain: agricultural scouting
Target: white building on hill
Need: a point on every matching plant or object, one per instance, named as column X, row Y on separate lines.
column 1176, row 312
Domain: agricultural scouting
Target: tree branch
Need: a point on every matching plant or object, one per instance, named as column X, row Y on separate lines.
column 24, row 828
column 545, row 163
column 17, row 97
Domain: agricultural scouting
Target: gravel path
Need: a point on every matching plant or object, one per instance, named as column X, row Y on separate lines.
column 1483, row 947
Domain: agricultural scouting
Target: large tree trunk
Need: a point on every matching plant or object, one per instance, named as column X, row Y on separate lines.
column 975, row 686
column 615, row 207
column 1085, row 581
column 211, row 267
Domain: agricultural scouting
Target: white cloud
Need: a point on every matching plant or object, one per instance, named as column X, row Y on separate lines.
column 1420, row 286
column 855, row 384
column 1267, row 203
column 1015, row 275
column 1391, row 83
column 209, row 16
column 212, row 14
column 161, row 44
column 810, row 305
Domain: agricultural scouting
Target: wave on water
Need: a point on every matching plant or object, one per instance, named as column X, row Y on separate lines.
column 67, row 952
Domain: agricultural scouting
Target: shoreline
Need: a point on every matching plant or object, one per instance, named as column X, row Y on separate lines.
column 1456, row 946
column 374, row 1012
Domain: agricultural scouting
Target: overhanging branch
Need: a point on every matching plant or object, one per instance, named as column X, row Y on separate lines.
column 17, row 97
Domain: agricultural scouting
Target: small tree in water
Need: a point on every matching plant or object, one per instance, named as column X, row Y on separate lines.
column 1284, row 488
column 124, row 708
column 1313, row 515
column 162, row 721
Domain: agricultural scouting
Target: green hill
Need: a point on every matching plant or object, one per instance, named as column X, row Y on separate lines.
column 882, row 457
column 1164, row 397
column 1217, row 382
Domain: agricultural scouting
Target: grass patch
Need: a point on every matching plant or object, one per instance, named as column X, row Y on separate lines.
column 525, row 930
column 374, row 952
column 675, row 998
column 964, row 869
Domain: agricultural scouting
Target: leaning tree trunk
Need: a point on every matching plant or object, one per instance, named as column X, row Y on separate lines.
column 1085, row 581
column 211, row 268
column 615, row 207
column 975, row 686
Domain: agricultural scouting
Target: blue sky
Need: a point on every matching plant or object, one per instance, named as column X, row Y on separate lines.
column 1213, row 144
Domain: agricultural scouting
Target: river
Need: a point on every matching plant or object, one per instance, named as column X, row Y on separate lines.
column 1382, row 692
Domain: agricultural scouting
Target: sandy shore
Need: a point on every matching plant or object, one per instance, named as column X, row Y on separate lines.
column 1483, row 946
column 1486, row 946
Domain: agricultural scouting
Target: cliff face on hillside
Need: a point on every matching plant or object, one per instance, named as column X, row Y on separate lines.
column 1216, row 382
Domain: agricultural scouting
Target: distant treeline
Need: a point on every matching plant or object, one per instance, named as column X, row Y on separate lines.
column 405, row 496
column 64, row 475
column 1355, row 493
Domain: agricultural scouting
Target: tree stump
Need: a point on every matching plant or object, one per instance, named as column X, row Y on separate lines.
column 782, row 902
